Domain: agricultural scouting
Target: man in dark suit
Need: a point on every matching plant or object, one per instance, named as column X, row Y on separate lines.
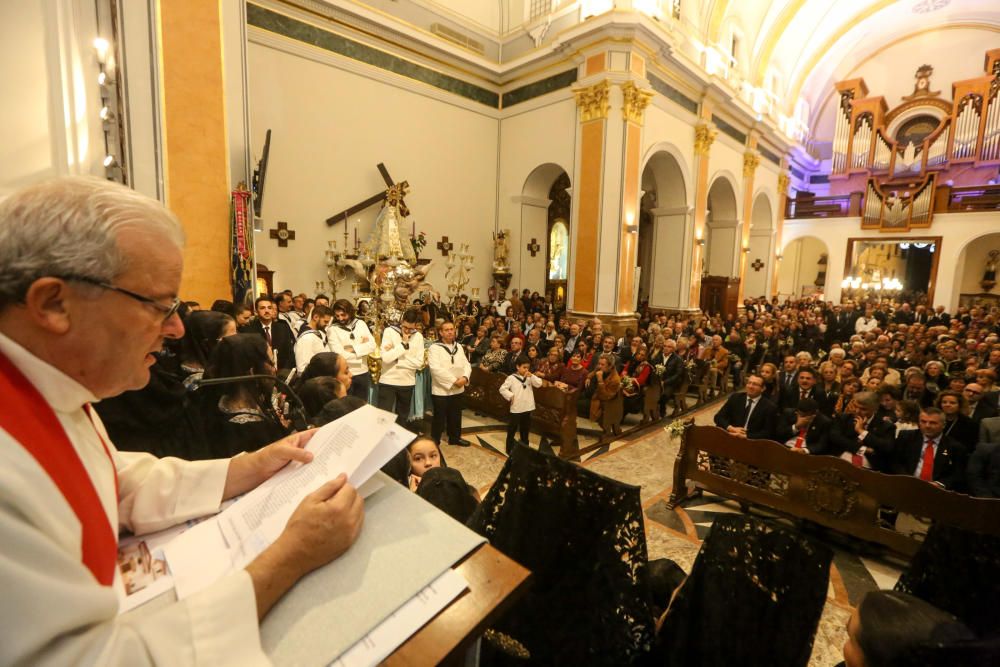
column 867, row 440
column 979, row 407
column 808, row 430
column 276, row 332
column 673, row 373
column 787, row 374
column 805, row 387
column 748, row 414
column 928, row 454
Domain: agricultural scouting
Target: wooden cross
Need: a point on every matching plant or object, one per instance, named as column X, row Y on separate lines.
column 757, row 265
column 445, row 246
column 283, row 234
column 374, row 199
column 534, row 247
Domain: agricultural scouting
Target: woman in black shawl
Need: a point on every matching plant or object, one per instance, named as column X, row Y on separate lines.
column 241, row 416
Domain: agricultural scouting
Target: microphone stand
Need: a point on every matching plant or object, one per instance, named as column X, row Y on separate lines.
column 298, row 415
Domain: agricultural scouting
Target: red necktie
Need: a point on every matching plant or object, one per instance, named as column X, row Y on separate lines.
column 927, row 467
column 801, row 439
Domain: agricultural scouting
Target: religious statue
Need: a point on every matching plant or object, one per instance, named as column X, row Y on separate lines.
column 386, row 240
column 501, row 250
column 989, row 280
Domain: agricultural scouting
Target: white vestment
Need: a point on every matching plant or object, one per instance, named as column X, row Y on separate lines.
column 54, row 611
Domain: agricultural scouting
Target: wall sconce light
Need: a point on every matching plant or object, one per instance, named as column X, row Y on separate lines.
column 699, row 241
column 746, row 248
column 778, row 256
column 101, row 46
column 630, row 225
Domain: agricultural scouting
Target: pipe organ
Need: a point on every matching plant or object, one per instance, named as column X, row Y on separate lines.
column 895, row 211
column 968, row 132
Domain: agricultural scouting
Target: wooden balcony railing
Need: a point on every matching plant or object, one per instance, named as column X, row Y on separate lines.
column 947, row 199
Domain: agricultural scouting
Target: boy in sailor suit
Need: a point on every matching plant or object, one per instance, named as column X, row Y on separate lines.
column 517, row 390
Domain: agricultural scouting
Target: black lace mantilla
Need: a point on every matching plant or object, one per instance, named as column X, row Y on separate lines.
column 958, row 571
column 754, row 597
column 582, row 537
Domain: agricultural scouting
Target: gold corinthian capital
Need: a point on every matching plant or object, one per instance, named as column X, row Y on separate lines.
column 635, row 101
column 704, row 135
column 593, row 101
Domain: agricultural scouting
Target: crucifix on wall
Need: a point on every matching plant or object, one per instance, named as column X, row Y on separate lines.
column 445, row 246
column 757, row 265
column 283, row 234
column 533, row 247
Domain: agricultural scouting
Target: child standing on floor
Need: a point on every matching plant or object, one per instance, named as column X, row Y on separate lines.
column 517, row 390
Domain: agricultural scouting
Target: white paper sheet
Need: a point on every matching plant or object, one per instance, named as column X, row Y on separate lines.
column 357, row 444
column 391, row 633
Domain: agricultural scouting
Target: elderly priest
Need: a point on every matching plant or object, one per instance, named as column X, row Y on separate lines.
column 89, row 275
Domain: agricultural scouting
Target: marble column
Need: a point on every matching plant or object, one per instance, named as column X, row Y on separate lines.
column 779, row 224
column 751, row 159
column 612, row 96
column 704, row 136
column 195, row 146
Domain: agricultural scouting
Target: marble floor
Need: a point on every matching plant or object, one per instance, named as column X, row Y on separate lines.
column 646, row 459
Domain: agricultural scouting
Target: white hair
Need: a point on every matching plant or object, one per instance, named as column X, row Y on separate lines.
column 68, row 227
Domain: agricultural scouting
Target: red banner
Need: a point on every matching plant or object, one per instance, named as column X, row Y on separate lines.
column 240, row 200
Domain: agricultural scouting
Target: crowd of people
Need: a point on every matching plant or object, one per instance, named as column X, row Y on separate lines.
column 878, row 383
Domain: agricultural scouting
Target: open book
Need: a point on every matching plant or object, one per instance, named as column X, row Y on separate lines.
column 357, row 444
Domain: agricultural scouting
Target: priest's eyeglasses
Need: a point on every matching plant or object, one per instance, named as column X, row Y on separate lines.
column 166, row 310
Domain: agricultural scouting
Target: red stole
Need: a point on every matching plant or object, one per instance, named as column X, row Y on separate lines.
column 30, row 420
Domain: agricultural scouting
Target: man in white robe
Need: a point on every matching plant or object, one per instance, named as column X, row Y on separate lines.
column 89, row 275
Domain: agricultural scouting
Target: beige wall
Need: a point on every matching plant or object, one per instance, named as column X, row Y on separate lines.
column 540, row 133
column 800, row 266
column 331, row 127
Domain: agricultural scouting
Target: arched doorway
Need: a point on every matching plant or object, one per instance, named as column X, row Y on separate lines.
column 722, row 233
column 760, row 258
column 665, row 233
column 975, row 269
column 803, row 268
column 545, row 201
column 721, row 263
column 557, row 243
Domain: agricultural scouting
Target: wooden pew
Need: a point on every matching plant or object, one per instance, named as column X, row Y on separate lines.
column 555, row 410
column 822, row 489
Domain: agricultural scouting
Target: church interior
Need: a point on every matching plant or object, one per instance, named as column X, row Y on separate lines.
column 616, row 157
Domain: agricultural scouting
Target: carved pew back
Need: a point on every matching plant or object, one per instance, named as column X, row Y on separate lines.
column 823, row 489
column 554, row 415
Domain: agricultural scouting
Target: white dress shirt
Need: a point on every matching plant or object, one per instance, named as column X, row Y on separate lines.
column 54, row 611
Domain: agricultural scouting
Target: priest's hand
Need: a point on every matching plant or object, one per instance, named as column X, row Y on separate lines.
column 324, row 525
column 247, row 471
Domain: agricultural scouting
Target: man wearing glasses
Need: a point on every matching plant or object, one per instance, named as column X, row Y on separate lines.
column 402, row 357
column 89, row 276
